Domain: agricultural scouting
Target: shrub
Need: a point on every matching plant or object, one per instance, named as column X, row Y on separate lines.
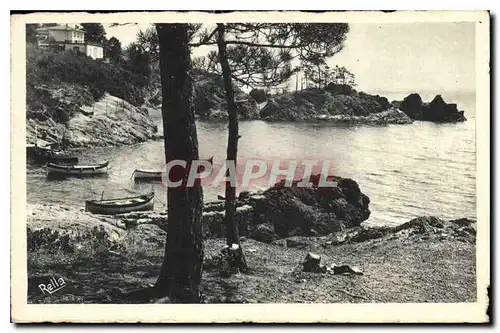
column 48, row 239
column 340, row 89
column 92, row 245
column 260, row 95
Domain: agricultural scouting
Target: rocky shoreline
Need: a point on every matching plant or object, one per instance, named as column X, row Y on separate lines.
column 112, row 121
column 108, row 122
column 275, row 213
column 315, row 104
column 278, row 228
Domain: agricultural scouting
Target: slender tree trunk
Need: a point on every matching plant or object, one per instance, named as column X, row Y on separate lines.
column 319, row 77
column 180, row 273
column 232, row 236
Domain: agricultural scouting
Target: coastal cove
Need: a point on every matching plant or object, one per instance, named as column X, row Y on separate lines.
column 302, row 162
column 409, row 170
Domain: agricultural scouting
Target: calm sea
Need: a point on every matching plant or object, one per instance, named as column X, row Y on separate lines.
column 406, row 170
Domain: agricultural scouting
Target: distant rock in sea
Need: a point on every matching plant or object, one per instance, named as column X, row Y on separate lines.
column 437, row 110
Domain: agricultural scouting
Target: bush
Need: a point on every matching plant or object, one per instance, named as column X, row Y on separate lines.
column 340, row 89
column 259, row 95
column 91, row 245
column 48, row 239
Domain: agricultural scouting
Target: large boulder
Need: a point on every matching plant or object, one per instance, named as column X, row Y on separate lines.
column 412, row 106
column 308, row 211
column 437, row 110
column 264, row 233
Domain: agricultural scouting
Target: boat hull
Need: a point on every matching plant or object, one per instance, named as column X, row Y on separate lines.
column 120, row 206
column 146, row 176
column 76, row 170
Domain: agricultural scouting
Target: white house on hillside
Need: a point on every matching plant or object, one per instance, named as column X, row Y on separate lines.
column 68, row 37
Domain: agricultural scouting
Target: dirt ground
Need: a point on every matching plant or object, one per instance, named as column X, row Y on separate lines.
column 395, row 269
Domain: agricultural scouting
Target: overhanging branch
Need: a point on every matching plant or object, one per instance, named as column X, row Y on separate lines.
column 205, row 40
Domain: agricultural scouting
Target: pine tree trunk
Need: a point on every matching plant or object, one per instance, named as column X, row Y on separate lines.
column 232, row 236
column 180, row 273
column 319, row 77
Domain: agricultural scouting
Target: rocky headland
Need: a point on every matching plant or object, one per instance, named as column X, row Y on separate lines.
column 278, row 228
column 70, row 110
column 315, row 104
column 69, row 116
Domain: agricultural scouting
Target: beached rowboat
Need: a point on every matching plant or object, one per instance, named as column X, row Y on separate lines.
column 147, row 175
column 122, row 205
column 77, row 170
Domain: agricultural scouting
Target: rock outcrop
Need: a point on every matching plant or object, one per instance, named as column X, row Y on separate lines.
column 437, row 110
column 282, row 211
column 318, row 104
column 418, row 229
column 110, row 121
column 68, row 229
column 67, row 115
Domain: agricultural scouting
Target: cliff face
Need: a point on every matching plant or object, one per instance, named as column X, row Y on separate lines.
column 319, row 104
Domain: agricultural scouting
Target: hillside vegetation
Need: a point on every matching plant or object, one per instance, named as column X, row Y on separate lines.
column 58, row 83
column 76, row 101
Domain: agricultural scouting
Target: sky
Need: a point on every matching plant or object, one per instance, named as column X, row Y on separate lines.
column 394, row 57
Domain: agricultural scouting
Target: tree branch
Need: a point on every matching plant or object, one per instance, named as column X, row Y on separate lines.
column 236, row 42
column 205, row 40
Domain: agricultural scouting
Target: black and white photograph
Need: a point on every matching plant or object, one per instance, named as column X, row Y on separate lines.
column 274, row 159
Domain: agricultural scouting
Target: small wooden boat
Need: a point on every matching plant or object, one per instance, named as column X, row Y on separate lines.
column 77, row 170
column 155, row 175
column 147, row 175
column 121, row 205
column 44, row 155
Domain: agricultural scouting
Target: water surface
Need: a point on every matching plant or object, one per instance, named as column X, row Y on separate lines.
column 406, row 170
